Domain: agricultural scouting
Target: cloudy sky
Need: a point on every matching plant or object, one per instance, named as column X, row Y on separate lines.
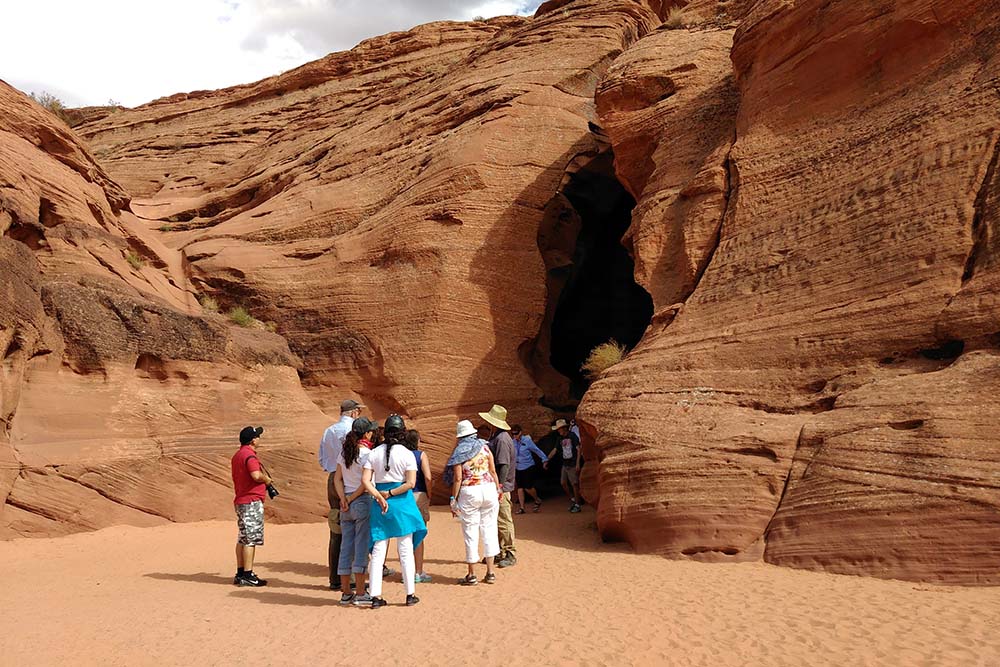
column 133, row 51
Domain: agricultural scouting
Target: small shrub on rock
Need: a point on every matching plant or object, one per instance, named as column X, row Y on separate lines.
column 135, row 260
column 52, row 104
column 238, row 315
column 677, row 18
column 601, row 358
column 208, row 303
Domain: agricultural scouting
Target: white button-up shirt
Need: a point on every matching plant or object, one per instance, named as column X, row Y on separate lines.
column 333, row 443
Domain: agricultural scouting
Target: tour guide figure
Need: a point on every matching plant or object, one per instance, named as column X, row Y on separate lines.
column 250, row 482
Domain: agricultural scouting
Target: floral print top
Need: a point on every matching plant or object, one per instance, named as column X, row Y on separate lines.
column 477, row 469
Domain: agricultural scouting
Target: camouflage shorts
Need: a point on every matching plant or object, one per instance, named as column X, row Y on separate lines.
column 250, row 518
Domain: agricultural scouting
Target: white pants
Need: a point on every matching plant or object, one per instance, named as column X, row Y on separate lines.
column 477, row 508
column 404, row 546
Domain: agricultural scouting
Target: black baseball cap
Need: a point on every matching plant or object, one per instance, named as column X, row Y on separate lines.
column 249, row 434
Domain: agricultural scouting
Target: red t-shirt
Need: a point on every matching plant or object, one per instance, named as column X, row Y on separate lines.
column 244, row 462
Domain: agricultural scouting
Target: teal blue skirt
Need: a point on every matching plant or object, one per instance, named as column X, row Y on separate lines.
column 402, row 518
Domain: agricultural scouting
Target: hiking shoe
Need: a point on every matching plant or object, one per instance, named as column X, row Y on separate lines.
column 377, row 603
column 509, row 561
column 411, row 600
column 251, row 579
column 575, row 509
column 421, row 578
column 490, row 578
column 346, row 599
column 363, row 600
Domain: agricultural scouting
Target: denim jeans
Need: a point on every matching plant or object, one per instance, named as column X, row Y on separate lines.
column 356, row 534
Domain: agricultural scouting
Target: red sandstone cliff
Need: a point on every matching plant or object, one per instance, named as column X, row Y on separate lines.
column 816, row 196
column 118, row 397
column 825, row 394
column 379, row 206
column 382, row 205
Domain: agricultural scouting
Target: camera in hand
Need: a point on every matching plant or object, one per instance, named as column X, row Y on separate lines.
column 272, row 492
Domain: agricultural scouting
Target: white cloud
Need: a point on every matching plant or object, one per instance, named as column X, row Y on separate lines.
column 133, row 51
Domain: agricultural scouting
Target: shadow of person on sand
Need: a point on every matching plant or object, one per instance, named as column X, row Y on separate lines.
column 294, row 567
column 288, row 599
column 211, row 578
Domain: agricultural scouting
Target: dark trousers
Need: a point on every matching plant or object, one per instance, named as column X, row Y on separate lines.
column 333, row 552
column 334, row 558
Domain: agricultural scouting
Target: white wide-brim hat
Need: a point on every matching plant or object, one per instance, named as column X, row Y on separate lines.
column 465, row 428
column 497, row 416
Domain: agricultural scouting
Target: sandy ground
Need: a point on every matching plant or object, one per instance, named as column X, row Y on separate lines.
column 137, row 596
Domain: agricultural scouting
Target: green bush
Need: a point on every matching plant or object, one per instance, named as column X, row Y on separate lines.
column 239, row 315
column 601, row 358
column 135, row 260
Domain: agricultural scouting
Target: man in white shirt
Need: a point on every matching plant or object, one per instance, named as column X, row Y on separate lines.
column 329, row 450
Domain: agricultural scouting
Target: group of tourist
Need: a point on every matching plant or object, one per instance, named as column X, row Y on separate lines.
column 369, row 466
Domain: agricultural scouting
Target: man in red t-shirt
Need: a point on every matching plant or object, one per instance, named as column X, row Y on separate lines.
column 250, row 482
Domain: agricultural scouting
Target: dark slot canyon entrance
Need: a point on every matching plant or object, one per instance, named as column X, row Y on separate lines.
column 593, row 296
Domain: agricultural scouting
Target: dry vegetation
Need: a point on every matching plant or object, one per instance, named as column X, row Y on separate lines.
column 52, row 104
column 208, row 303
column 601, row 358
column 678, row 18
column 135, row 260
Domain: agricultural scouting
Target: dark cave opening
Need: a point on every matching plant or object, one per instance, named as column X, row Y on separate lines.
column 600, row 299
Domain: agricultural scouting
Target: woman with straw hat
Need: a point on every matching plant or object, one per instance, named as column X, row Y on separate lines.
column 475, row 496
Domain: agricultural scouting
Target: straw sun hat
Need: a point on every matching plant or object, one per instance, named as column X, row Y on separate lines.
column 497, row 416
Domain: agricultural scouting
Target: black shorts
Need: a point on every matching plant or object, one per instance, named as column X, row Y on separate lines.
column 525, row 479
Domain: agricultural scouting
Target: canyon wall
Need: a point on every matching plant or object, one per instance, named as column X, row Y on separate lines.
column 382, row 206
column 815, row 191
column 375, row 211
column 120, row 399
column 815, row 388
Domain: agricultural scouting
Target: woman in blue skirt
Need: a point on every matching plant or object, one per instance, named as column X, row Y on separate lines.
column 390, row 473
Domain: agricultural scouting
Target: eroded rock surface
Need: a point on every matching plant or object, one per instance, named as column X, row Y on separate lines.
column 382, row 206
column 119, row 398
column 822, row 394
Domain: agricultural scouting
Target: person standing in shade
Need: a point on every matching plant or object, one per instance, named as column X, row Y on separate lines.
column 355, row 508
column 390, row 473
column 475, row 496
column 421, row 494
column 569, row 446
column 526, row 470
column 250, row 483
column 329, row 450
column 504, row 458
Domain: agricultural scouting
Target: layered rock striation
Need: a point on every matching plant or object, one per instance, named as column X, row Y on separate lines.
column 119, row 397
column 816, row 192
column 382, row 206
column 819, row 393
